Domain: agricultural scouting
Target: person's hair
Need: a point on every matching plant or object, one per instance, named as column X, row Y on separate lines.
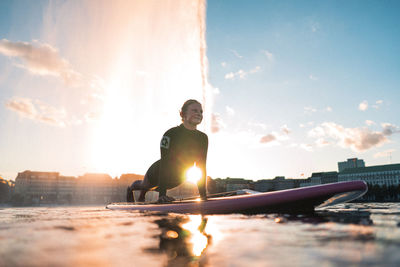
column 186, row 106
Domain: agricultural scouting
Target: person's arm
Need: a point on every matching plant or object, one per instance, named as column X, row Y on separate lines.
column 202, row 184
column 165, row 146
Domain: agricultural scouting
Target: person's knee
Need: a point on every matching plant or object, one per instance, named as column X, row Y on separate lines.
column 137, row 185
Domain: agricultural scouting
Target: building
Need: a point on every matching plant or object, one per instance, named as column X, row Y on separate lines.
column 52, row 188
column 233, row 184
column 66, row 188
column 278, row 183
column 37, row 187
column 381, row 175
column 351, row 163
column 6, row 188
column 92, row 188
column 320, row 178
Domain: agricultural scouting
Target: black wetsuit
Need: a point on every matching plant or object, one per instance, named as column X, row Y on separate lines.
column 180, row 149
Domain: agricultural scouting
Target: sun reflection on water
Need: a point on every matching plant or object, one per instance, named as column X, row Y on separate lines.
column 185, row 239
column 199, row 238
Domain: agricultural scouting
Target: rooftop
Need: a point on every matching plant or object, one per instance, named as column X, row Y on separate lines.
column 379, row 168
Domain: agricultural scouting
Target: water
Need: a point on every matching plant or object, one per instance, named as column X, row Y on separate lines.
column 344, row 235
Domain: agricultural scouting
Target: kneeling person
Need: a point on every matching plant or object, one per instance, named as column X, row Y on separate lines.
column 181, row 148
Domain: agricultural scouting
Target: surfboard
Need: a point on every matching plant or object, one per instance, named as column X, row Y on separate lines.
column 297, row 200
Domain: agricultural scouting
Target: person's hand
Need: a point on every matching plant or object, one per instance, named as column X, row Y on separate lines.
column 165, row 199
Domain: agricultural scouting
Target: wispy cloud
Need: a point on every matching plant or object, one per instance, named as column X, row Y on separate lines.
column 309, row 110
column 38, row 111
column 263, row 126
column 269, row 55
column 363, row 106
column 276, row 137
column 285, row 129
column 328, row 109
column 241, row 73
column 40, row 59
column 267, row 138
column 315, row 26
column 357, row 139
column 321, row 142
column 230, row 110
column 313, row 77
column 236, row 53
column 377, row 104
column 369, row 122
column 306, row 147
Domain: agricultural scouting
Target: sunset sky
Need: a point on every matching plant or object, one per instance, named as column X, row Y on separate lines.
column 293, row 86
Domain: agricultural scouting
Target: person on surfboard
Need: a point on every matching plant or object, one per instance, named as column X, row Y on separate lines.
column 181, row 148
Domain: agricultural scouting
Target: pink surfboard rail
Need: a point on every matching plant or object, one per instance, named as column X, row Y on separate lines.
column 295, row 200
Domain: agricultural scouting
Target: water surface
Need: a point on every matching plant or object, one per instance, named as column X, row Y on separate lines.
column 343, row 235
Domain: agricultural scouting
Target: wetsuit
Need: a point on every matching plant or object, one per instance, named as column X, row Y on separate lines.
column 180, row 149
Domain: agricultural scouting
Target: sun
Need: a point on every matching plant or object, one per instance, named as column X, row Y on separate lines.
column 194, row 174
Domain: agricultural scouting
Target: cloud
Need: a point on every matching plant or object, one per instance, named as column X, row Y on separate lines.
column 256, row 69
column 38, row 111
column 306, row 147
column 384, row 154
column 269, row 55
column 267, row 138
column 285, row 129
column 216, row 123
column 312, row 77
column 309, row 110
column 263, row 126
column 363, row 106
column 328, row 109
column 229, row 75
column 276, row 136
column 369, row 122
column 41, row 59
column 92, row 116
column 223, row 64
column 236, row 53
column 230, row 111
column 389, row 129
column 241, row 73
column 377, row 104
column 215, row 91
column 314, row 26
column 23, row 106
column 321, row 142
column 357, row 139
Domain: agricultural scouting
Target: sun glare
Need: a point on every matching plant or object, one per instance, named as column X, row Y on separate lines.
column 147, row 76
column 194, row 174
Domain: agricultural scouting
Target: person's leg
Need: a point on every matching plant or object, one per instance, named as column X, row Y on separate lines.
column 129, row 194
column 149, row 182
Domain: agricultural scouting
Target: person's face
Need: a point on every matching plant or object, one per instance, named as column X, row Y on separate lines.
column 194, row 114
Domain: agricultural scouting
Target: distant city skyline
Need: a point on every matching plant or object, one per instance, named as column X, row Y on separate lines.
column 293, row 87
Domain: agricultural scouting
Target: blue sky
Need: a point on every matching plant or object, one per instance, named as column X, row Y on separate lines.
column 296, row 85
